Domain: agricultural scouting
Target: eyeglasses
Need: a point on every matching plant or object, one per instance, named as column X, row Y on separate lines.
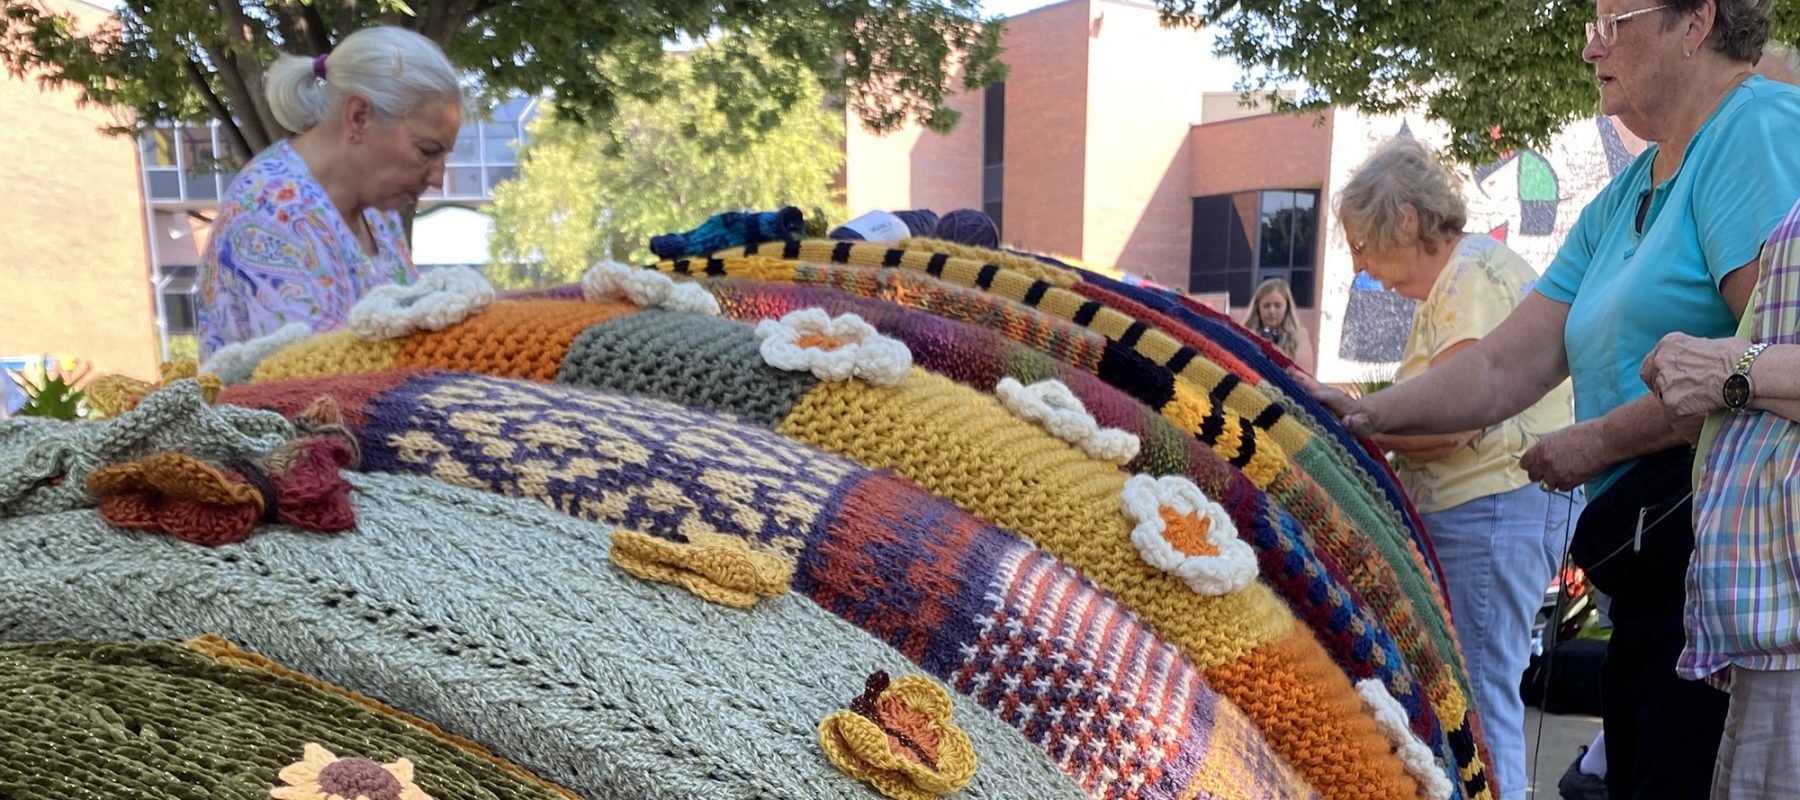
column 1606, row 26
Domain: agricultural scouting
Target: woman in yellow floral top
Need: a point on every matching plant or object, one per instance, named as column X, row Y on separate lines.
column 1498, row 535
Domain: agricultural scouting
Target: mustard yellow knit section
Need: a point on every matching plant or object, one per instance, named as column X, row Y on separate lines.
column 334, row 353
column 1013, row 284
column 963, row 446
column 1013, row 261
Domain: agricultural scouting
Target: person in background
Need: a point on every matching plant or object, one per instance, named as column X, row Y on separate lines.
column 1498, row 534
column 1670, row 245
column 313, row 222
column 1272, row 316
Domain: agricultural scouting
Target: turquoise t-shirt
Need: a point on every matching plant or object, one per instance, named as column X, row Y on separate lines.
column 1628, row 288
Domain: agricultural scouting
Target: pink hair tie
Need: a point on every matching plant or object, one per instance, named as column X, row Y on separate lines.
column 319, row 66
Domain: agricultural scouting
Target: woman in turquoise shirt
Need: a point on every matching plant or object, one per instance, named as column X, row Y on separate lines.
column 1670, row 245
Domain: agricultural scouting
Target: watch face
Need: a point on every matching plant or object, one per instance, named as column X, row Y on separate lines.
column 1737, row 390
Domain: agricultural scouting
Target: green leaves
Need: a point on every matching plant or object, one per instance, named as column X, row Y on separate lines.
column 666, row 165
column 187, row 60
column 50, row 388
column 1513, row 66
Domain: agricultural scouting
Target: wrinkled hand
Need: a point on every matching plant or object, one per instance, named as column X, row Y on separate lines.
column 1339, row 402
column 1688, row 374
column 1567, row 458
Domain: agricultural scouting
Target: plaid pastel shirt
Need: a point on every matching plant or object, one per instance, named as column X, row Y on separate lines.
column 1743, row 584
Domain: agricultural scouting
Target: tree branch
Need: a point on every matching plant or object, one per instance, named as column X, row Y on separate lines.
column 217, row 106
column 242, row 75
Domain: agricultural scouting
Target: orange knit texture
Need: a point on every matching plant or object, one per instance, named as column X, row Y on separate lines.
column 1305, row 705
column 511, row 339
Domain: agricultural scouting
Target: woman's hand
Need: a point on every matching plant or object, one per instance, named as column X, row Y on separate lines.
column 1687, row 374
column 1339, row 402
column 1567, row 458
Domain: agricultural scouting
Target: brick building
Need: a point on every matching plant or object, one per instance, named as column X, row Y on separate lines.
column 72, row 232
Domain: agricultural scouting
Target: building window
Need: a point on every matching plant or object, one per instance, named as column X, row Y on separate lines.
column 181, row 314
column 1243, row 239
column 487, row 152
column 186, row 164
column 993, row 154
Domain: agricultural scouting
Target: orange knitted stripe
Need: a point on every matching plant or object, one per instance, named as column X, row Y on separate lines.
column 1308, row 710
column 510, row 339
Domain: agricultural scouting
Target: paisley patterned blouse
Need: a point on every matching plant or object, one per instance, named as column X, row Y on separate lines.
column 280, row 252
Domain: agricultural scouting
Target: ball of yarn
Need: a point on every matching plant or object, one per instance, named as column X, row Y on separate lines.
column 920, row 221
column 970, row 227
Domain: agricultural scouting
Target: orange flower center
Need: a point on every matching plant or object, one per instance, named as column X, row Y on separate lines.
column 1187, row 532
column 899, row 719
column 819, row 341
column 349, row 777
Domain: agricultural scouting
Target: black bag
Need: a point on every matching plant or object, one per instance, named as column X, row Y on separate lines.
column 1634, row 540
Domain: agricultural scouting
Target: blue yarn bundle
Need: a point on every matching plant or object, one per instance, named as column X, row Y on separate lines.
column 731, row 229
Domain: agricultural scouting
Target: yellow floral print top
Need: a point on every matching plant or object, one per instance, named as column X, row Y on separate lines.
column 1482, row 284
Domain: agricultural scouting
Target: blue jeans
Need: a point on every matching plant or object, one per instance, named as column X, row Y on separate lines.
column 1499, row 553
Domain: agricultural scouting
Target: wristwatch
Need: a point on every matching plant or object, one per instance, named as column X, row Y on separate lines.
column 1738, row 386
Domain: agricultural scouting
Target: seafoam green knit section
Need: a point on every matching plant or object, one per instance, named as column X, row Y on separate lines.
column 157, row 720
column 691, row 359
column 503, row 621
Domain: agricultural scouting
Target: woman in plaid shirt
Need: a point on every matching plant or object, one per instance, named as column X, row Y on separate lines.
column 1743, row 584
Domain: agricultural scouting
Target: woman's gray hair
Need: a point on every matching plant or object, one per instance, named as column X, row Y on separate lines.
column 395, row 69
column 1740, row 27
column 1402, row 172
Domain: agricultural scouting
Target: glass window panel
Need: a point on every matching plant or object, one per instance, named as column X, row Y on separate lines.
column 499, row 175
column 499, row 142
column 1305, row 230
column 1302, row 282
column 165, row 184
column 468, row 146
column 202, row 186
column 157, row 146
column 462, row 182
column 179, row 312
column 996, row 211
column 180, row 272
column 196, row 149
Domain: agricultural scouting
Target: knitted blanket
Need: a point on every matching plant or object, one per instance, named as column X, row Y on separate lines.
column 1245, row 644
column 467, row 609
column 718, row 368
column 1120, row 710
column 205, row 719
column 1145, row 360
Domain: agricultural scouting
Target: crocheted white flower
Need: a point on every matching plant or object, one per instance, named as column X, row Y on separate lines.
column 1390, row 718
column 234, row 362
column 439, row 299
column 833, row 348
column 1052, row 405
column 1181, row 531
column 646, row 288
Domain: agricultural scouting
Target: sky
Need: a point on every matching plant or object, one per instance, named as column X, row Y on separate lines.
column 1220, row 75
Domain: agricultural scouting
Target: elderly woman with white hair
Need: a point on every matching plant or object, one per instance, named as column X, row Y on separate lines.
column 313, row 222
column 1498, row 534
